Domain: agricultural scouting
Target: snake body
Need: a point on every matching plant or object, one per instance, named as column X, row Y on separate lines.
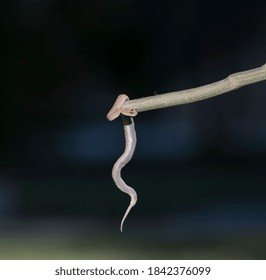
column 130, row 144
column 131, row 140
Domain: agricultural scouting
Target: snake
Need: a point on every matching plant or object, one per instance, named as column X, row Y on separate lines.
column 130, row 145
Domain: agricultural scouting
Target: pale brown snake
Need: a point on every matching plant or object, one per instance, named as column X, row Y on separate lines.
column 130, row 144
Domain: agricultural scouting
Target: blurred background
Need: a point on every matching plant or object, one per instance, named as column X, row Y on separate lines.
column 198, row 169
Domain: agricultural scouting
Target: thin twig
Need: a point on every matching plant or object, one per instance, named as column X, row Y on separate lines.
column 232, row 82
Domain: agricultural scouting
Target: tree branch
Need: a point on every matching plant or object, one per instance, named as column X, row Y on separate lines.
column 232, row 82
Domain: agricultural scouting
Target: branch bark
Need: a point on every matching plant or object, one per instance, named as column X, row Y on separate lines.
column 231, row 83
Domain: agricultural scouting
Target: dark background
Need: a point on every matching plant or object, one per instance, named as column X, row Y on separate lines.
column 199, row 169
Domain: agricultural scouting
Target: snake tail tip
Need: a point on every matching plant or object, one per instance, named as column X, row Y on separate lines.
column 121, row 227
